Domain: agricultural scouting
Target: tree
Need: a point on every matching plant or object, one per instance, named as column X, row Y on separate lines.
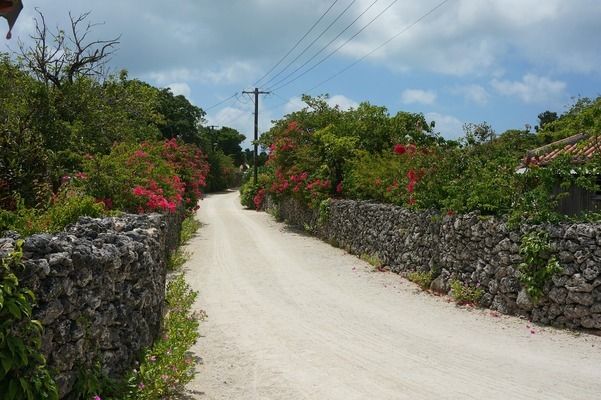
column 478, row 133
column 545, row 118
column 61, row 57
column 228, row 140
column 181, row 119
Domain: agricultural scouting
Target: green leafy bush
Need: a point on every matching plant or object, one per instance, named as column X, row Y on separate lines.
column 23, row 373
column 248, row 192
column 64, row 209
column 465, row 294
column 539, row 265
column 422, row 279
column 167, row 366
column 189, row 227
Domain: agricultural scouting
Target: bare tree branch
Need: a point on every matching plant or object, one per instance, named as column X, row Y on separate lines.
column 58, row 57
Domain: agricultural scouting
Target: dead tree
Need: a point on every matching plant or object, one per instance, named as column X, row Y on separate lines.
column 57, row 56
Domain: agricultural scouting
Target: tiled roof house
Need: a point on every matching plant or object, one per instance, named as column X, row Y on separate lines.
column 581, row 148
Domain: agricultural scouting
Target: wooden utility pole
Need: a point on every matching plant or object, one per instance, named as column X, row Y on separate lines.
column 256, row 92
column 212, row 135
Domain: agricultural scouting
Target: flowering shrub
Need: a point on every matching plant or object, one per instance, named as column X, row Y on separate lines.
column 151, row 176
column 258, row 199
column 365, row 153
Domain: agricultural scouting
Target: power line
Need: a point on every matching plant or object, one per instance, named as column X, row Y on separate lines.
column 351, row 65
column 221, row 102
column 337, row 48
column 297, row 43
column 393, row 37
column 326, row 46
column 312, row 43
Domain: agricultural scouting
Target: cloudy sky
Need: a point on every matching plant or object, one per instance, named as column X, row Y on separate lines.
column 500, row 61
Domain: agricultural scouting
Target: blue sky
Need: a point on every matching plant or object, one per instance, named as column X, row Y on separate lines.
column 499, row 61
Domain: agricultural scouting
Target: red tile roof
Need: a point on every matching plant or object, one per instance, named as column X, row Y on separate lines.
column 581, row 147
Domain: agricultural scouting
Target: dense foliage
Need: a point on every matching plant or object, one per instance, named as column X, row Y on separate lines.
column 23, row 373
column 365, row 153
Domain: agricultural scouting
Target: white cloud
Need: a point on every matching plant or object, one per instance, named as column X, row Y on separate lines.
column 234, row 72
column 473, row 93
column 294, row 104
column 473, row 37
column 182, row 88
column 241, row 118
column 449, row 126
column 531, row 89
column 343, row 102
column 412, row 96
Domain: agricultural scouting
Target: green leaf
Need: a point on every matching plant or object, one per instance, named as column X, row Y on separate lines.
column 7, row 363
column 12, row 390
column 13, row 309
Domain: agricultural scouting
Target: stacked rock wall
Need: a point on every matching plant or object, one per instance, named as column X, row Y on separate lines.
column 100, row 289
column 478, row 251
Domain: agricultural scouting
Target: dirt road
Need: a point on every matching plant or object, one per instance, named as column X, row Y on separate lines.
column 291, row 317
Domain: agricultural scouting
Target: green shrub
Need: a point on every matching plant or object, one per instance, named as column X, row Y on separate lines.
column 177, row 259
column 167, row 367
column 189, row 227
column 422, row 279
column 248, row 191
column 372, row 259
column 23, row 373
column 65, row 208
column 324, row 212
column 538, row 266
column 465, row 294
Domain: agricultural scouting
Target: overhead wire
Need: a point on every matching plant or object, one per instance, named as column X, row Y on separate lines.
column 393, row 37
column 221, row 102
column 312, row 43
column 277, row 64
column 325, row 47
column 381, row 45
column 330, row 54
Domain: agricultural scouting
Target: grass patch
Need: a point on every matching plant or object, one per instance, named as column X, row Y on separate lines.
column 189, row 227
column 167, row 366
column 465, row 294
column 374, row 260
column 177, row 259
column 422, row 279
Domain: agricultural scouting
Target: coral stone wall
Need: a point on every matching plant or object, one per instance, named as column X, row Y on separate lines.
column 100, row 289
column 479, row 251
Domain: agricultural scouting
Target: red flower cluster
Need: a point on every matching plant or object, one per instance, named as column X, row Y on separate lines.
column 414, row 177
column 299, row 181
column 394, row 186
column 281, row 183
column 402, row 149
column 155, row 199
column 317, row 184
column 164, row 190
column 258, row 198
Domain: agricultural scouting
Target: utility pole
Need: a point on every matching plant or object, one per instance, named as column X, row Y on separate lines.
column 212, row 135
column 256, row 92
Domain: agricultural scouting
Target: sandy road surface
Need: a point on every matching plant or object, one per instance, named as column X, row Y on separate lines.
column 291, row 317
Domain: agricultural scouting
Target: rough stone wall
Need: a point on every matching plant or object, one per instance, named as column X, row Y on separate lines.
column 479, row 251
column 100, row 289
